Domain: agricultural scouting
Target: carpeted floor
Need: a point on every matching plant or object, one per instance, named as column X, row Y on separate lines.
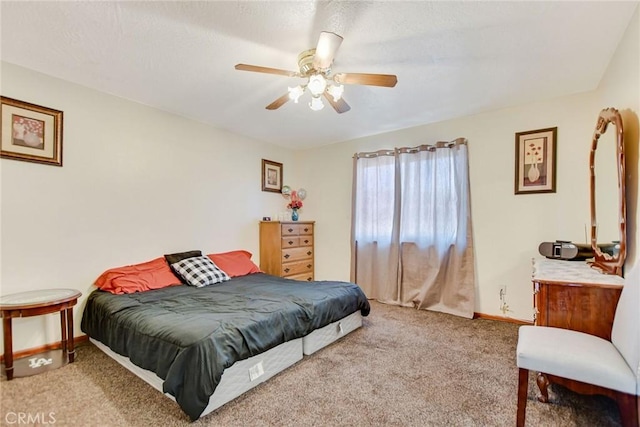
column 402, row 368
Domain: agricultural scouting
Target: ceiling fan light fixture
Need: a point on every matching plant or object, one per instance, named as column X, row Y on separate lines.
column 336, row 92
column 317, row 84
column 316, row 104
column 295, row 93
column 315, row 65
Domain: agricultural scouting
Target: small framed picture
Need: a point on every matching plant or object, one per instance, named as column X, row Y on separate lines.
column 271, row 176
column 30, row 132
column 536, row 161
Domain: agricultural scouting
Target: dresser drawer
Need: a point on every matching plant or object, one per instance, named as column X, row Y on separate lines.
column 290, row 242
column 306, row 229
column 305, row 277
column 290, row 229
column 299, row 267
column 305, row 240
column 297, row 254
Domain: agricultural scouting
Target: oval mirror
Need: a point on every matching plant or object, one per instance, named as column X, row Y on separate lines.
column 608, row 206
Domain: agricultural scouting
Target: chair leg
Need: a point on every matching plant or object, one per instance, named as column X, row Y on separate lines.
column 628, row 405
column 523, row 387
column 543, row 385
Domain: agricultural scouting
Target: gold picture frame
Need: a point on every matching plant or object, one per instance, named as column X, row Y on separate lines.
column 536, row 161
column 30, row 132
column 271, row 176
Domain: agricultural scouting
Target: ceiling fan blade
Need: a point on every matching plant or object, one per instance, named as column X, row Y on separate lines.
column 385, row 80
column 258, row 69
column 340, row 105
column 278, row 102
column 328, row 44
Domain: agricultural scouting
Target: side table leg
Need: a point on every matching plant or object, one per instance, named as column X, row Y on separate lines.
column 8, row 347
column 63, row 332
column 543, row 385
column 70, row 343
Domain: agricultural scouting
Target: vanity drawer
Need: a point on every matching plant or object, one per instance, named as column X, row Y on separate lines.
column 297, row 254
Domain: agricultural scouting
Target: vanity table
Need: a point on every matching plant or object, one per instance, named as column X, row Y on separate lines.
column 572, row 295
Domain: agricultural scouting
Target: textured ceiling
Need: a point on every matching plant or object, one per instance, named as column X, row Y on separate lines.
column 452, row 59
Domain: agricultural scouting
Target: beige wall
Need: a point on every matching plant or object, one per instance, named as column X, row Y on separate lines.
column 136, row 183
column 507, row 227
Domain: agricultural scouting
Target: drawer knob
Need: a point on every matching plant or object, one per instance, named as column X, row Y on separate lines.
column 308, row 252
column 290, row 230
column 308, row 279
column 286, row 270
column 306, row 229
column 290, row 242
column 309, row 266
column 306, row 241
column 287, row 256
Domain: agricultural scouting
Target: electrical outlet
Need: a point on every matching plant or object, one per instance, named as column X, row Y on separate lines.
column 256, row 371
column 504, row 307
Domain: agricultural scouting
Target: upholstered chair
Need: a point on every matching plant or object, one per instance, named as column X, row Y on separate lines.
column 585, row 363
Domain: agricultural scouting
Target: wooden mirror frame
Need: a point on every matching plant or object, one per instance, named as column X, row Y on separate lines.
column 605, row 262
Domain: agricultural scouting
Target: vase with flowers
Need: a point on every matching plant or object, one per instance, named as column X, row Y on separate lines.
column 294, row 205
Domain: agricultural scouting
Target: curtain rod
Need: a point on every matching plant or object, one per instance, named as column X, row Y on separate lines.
column 425, row 147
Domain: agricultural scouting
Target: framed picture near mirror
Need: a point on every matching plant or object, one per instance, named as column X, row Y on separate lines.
column 536, row 161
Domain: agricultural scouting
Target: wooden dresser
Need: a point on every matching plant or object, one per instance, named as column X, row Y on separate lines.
column 572, row 295
column 286, row 249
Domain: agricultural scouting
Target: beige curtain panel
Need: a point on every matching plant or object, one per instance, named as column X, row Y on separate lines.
column 411, row 227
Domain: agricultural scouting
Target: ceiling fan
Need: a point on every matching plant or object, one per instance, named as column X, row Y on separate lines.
column 315, row 66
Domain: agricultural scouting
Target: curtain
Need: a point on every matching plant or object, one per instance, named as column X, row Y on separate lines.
column 411, row 227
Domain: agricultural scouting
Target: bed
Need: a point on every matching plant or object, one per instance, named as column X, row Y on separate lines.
column 205, row 346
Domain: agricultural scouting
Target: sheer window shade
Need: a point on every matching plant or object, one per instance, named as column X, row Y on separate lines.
column 411, row 235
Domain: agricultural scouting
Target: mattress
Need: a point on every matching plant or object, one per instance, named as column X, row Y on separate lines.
column 332, row 332
column 241, row 377
column 190, row 336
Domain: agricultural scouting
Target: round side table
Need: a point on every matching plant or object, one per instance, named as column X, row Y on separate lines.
column 36, row 303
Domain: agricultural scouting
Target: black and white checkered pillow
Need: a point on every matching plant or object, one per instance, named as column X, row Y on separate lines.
column 200, row 271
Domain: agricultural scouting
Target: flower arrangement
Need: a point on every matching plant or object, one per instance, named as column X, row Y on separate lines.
column 295, row 204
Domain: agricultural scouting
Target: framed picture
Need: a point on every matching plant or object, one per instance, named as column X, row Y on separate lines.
column 30, row 132
column 536, row 161
column 271, row 176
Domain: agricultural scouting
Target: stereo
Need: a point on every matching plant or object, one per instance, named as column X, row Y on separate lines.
column 564, row 249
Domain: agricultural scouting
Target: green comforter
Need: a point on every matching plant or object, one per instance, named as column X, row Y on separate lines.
column 188, row 336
